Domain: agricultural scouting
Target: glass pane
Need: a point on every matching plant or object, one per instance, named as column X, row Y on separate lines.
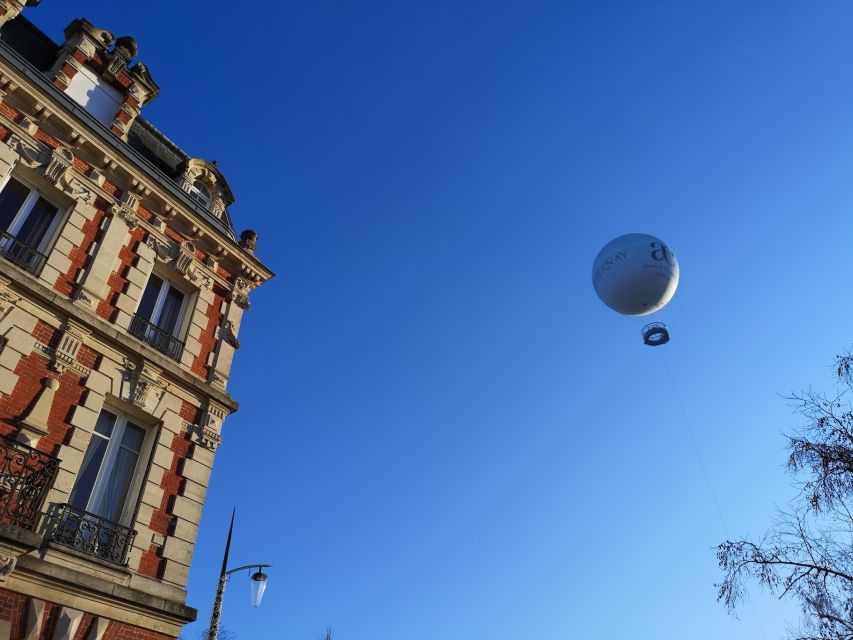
column 82, row 490
column 105, row 424
column 116, row 485
column 11, row 199
column 38, row 221
column 133, row 437
column 170, row 314
column 149, row 297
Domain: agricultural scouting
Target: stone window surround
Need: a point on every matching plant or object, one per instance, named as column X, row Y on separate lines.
column 38, row 188
column 149, row 423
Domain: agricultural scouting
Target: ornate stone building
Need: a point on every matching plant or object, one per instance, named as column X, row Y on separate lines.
column 122, row 286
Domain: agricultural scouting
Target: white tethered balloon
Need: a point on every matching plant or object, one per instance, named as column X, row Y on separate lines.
column 637, row 274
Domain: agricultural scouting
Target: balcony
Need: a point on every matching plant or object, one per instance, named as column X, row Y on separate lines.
column 155, row 336
column 26, row 475
column 92, row 535
column 21, row 253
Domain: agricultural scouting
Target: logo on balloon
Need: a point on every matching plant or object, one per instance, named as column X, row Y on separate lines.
column 660, row 252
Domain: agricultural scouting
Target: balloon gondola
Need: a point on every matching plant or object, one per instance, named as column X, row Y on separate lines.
column 655, row 334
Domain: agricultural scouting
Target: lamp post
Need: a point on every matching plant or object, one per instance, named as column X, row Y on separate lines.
column 258, row 584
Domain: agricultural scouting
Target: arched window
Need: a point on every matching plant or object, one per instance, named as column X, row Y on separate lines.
column 200, row 193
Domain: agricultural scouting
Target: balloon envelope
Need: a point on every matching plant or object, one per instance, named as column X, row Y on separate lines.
column 635, row 274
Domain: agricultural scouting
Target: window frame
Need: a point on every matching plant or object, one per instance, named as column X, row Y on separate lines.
column 199, row 196
column 138, row 475
column 106, row 94
column 26, row 209
column 160, row 302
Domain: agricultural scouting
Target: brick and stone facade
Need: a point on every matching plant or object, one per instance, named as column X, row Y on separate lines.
column 122, row 288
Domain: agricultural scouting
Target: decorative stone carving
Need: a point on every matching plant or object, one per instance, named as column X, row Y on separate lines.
column 144, row 385
column 129, row 217
column 185, row 259
column 163, row 251
column 240, row 293
column 206, row 433
column 209, row 174
column 7, row 565
column 249, row 240
column 65, row 354
column 77, row 189
column 228, row 334
column 32, row 155
column 61, row 160
column 182, row 258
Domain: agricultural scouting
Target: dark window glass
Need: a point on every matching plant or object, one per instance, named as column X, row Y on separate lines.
column 11, row 199
column 149, row 298
column 92, row 461
column 171, row 311
column 38, row 221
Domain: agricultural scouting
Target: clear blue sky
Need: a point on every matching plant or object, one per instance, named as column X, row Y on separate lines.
column 444, row 435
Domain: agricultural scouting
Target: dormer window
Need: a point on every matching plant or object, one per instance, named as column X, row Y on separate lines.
column 97, row 96
column 200, row 193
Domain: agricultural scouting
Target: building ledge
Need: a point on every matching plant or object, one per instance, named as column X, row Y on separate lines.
column 109, row 333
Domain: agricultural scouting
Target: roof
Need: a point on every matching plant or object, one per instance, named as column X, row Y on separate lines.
column 39, row 49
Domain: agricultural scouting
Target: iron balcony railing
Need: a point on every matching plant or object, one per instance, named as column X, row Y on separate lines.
column 155, row 336
column 21, row 253
column 92, row 535
column 26, row 475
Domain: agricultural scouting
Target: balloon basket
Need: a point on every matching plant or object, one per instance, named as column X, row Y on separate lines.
column 655, row 334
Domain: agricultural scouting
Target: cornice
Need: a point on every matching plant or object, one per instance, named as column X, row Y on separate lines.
column 203, row 227
column 110, row 335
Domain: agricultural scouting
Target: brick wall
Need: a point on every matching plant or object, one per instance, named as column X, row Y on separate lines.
column 15, row 608
column 118, row 279
column 31, row 371
column 80, row 256
column 151, row 563
column 208, row 339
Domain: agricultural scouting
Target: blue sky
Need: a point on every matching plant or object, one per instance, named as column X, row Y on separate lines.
column 443, row 433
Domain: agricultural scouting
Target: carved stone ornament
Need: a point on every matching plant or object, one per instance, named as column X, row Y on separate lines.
column 77, row 189
column 32, row 155
column 61, row 160
column 129, row 217
column 163, row 251
column 185, row 260
column 206, row 433
column 144, row 385
column 229, row 336
column 7, row 565
column 240, row 293
column 65, row 354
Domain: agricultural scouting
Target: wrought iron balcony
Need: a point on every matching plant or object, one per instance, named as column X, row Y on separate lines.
column 21, row 253
column 92, row 535
column 26, row 475
column 155, row 336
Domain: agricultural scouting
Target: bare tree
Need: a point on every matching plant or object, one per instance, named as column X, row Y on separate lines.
column 328, row 634
column 224, row 634
column 807, row 554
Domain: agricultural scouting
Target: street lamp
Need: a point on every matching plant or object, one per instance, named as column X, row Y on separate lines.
column 258, row 584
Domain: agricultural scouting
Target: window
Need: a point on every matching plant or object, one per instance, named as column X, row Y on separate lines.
column 159, row 316
column 200, row 193
column 103, row 485
column 99, row 98
column 27, row 222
